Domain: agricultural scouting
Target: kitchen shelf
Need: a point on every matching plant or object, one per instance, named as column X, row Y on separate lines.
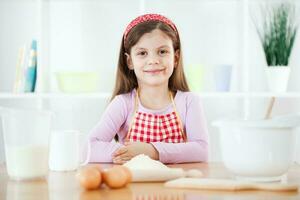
column 214, row 40
column 251, row 94
column 108, row 95
column 53, row 95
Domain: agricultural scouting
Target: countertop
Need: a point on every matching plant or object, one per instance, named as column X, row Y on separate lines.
column 64, row 186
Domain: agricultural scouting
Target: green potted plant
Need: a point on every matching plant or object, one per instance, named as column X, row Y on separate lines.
column 277, row 34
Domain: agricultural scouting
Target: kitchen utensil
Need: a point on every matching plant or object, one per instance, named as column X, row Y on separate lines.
column 227, row 184
column 26, row 138
column 257, row 150
column 158, row 175
column 270, row 107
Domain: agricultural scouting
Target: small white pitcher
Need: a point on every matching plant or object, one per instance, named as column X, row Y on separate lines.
column 65, row 151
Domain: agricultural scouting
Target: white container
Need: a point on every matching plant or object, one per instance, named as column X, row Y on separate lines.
column 222, row 75
column 77, row 82
column 26, row 136
column 257, row 150
column 65, row 150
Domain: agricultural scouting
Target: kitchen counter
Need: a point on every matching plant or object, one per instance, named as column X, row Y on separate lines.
column 63, row 186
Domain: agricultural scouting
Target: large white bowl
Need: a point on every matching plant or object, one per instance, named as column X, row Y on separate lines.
column 257, row 150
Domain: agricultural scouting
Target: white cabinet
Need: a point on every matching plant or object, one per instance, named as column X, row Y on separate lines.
column 78, row 35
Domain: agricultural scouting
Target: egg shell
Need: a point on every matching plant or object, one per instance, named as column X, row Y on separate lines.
column 114, row 177
column 89, row 177
column 98, row 167
column 127, row 171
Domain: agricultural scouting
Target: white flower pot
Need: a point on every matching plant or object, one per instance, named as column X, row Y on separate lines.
column 278, row 77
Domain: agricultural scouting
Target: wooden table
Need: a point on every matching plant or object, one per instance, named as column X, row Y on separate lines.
column 63, row 186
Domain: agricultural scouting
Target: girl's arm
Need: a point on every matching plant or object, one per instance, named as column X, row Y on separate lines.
column 102, row 135
column 196, row 147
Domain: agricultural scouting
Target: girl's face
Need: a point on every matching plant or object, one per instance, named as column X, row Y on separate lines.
column 153, row 59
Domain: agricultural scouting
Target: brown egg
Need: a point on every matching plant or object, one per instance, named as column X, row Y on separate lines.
column 98, row 167
column 89, row 177
column 114, row 177
column 127, row 171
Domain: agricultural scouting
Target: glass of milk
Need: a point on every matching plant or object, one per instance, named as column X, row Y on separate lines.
column 65, row 150
column 26, row 140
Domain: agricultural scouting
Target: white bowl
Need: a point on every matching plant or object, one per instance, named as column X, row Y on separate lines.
column 257, row 150
column 77, row 82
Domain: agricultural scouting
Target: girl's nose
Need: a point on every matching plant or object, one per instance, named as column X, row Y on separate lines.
column 153, row 60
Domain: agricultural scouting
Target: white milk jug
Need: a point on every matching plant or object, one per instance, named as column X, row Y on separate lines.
column 65, row 150
column 26, row 138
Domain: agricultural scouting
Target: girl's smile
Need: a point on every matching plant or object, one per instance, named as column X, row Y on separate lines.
column 154, row 71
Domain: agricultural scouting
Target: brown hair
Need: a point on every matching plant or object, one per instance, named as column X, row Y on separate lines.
column 126, row 80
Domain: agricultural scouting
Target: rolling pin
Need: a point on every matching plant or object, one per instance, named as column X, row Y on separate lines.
column 140, row 175
column 227, row 184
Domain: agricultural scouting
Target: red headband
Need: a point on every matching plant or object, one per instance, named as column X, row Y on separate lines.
column 148, row 17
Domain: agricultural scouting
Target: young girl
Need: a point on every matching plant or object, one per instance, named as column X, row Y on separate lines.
column 151, row 109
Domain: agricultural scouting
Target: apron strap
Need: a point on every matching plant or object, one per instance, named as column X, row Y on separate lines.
column 178, row 118
column 132, row 121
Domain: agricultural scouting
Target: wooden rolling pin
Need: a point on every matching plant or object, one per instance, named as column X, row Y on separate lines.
column 227, row 184
column 147, row 175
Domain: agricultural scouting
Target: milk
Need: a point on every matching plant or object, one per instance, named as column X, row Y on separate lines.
column 64, row 152
column 27, row 162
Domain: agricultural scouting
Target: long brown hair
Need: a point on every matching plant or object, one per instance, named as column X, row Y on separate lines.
column 126, row 80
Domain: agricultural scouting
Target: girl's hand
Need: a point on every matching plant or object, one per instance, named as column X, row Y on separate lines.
column 132, row 149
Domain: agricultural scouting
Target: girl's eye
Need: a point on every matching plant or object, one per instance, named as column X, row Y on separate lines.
column 142, row 53
column 163, row 51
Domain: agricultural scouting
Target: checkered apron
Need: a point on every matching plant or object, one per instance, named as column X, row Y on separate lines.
column 155, row 128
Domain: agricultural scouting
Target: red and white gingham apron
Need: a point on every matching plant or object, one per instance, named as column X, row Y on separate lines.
column 148, row 128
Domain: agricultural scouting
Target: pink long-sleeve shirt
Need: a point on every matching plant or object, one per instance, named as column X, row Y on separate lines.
column 117, row 119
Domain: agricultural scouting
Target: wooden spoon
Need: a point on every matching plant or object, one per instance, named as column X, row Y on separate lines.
column 270, row 107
